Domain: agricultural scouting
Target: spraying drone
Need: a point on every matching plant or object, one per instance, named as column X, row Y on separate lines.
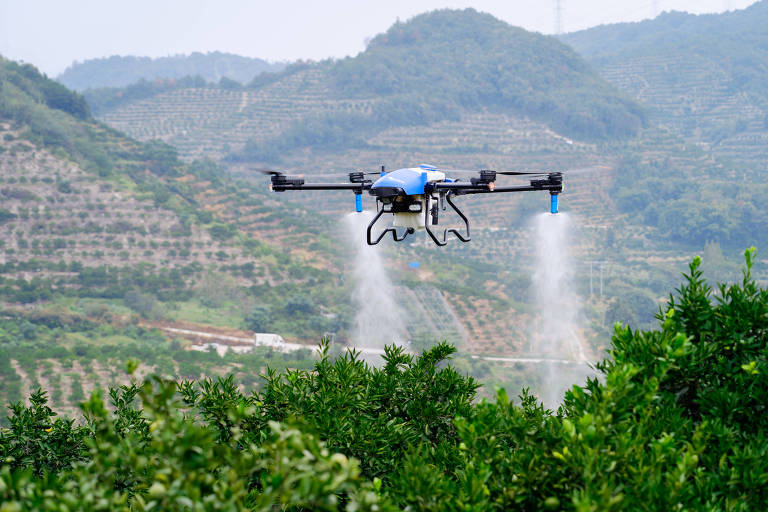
column 416, row 195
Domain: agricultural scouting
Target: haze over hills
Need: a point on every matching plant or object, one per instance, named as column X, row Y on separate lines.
column 92, row 214
column 462, row 89
column 433, row 68
column 638, row 207
column 120, row 71
column 705, row 76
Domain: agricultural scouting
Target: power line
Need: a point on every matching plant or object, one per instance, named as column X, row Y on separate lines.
column 558, row 17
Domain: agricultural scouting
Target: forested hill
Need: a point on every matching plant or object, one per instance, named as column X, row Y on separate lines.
column 442, row 66
column 705, row 76
column 736, row 41
column 120, row 71
column 735, row 37
column 470, row 59
column 90, row 216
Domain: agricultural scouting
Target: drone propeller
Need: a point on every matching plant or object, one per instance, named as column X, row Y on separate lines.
column 345, row 174
column 272, row 172
column 506, row 173
column 580, row 170
column 585, row 170
column 521, row 173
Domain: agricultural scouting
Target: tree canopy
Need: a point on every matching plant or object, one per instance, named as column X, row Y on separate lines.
column 676, row 421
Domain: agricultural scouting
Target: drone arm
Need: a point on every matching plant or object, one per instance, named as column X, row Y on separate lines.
column 475, row 190
column 553, row 183
column 281, row 187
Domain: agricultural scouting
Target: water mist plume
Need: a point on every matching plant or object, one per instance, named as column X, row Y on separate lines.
column 555, row 329
column 379, row 318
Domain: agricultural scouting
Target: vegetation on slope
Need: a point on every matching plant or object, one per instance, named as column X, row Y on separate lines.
column 473, row 60
column 704, row 79
column 430, row 68
column 104, row 99
column 120, row 71
column 92, row 214
column 691, row 205
column 703, row 76
column 735, row 40
column 677, row 421
column 438, row 64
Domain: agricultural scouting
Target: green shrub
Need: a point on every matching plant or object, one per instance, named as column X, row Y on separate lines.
column 676, row 422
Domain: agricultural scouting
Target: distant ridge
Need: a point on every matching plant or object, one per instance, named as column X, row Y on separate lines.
column 120, row 71
column 704, row 76
column 439, row 67
column 703, row 33
column 473, row 60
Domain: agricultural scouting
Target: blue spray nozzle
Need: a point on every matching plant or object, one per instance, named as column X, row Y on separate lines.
column 358, row 203
column 553, row 203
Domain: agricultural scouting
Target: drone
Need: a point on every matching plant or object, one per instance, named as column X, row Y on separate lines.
column 415, row 196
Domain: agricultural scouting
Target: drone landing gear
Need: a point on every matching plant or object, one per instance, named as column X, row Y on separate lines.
column 433, row 211
column 430, row 219
column 395, row 236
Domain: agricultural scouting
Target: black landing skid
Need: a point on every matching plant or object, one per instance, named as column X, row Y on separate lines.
column 430, row 219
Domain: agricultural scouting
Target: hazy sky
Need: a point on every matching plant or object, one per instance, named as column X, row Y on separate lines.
column 51, row 34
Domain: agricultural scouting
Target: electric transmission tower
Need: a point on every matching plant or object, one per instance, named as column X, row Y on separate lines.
column 558, row 17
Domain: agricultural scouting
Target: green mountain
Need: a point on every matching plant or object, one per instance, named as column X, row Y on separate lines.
column 705, row 77
column 93, row 219
column 120, row 71
column 411, row 97
column 466, row 59
column 437, row 67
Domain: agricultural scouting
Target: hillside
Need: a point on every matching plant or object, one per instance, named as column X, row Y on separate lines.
column 110, row 241
column 96, row 222
column 640, row 215
column 673, row 422
column 215, row 250
column 120, row 71
column 508, row 70
column 703, row 76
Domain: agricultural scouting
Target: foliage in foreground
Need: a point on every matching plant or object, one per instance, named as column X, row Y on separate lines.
column 677, row 421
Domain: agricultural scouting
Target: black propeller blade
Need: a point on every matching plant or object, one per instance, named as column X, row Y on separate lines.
column 580, row 170
column 586, row 170
column 270, row 172
column 273, row 172
column 506, row 173
column 521, row 173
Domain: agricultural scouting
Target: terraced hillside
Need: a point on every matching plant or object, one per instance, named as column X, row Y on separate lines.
column 653, row 198
column 119, row 71
column 100, row 224
column 353, row 103
column 702, row 76
column 57, row 211
column 214, row 122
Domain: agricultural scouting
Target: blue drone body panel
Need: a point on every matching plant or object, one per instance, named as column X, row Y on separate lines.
column 412, row 181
